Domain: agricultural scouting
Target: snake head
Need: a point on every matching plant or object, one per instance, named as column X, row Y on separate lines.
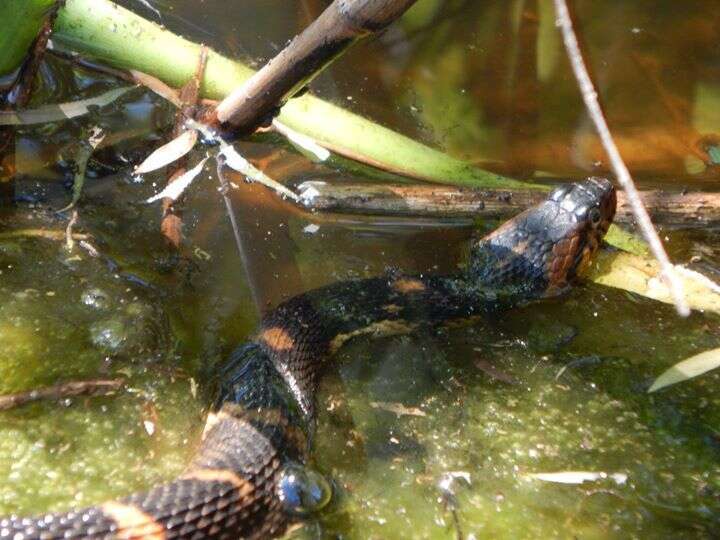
column 544, row 249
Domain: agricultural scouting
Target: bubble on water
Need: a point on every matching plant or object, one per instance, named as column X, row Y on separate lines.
column 109, row 335
column 303, row 490
column 95, row 298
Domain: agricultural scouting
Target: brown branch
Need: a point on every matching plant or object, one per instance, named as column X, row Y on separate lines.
column 172, row 225
column 95, row 387
column 341, row 25
column 673, row 209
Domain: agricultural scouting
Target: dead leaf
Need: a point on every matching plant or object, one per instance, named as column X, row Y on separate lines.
column 157, row 86
column 178, row 186
column 303, row 142
column 238, row 163
column 687, row 369
column 169, row 152
column 60, row 111
column 494, row 372
column 578, row 477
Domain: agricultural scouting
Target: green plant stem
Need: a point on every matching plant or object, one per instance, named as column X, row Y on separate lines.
column 103, row 30
column 20, row 21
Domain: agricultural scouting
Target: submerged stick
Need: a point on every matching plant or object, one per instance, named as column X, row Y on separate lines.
column 674, row 209
column 60, row 391
column 47, row 234
column 589, row 95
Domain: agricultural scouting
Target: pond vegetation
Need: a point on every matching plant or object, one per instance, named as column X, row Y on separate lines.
column 456, row 433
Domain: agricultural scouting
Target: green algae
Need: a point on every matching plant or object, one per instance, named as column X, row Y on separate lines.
column 64, row 317
column 566, row 392
column 580, row 409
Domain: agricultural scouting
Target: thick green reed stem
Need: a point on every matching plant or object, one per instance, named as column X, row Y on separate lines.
column 103, row 30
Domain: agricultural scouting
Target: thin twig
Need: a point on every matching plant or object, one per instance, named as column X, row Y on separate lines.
column 42, row 233
column 69, row 241
column 60, row 391
column 225, row 192
column 592, row 104
column 257, row 101
column 171, row 225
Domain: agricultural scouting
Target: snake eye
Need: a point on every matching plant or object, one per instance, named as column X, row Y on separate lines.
column 594, row 217
column 560, row 191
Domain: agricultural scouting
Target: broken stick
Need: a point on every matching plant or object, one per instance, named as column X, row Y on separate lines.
column 695, row 209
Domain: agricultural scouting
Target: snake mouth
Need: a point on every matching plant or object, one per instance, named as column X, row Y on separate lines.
column 585, row 211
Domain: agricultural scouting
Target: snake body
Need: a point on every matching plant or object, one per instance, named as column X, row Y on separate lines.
column 249, row 479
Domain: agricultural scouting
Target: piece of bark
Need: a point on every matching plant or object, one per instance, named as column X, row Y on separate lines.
column 693, row 209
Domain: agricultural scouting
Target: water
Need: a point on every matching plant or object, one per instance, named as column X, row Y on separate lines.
column 431, row 436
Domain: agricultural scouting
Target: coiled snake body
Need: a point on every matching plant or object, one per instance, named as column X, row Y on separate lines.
column 248, row 478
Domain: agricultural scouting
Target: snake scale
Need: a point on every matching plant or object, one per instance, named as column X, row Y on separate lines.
column 248, row 479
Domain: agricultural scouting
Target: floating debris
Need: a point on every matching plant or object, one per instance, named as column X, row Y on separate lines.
column 176, row 188
column 397, row 408
column 688, row 369
column 168, row 153
column 578, row 477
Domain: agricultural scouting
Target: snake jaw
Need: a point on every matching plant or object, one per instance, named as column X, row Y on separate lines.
column 544, row 249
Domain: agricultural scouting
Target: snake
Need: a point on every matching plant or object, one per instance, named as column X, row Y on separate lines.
column 250, row 477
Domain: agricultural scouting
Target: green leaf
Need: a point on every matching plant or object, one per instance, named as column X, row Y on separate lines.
column 687, row 369
column 626, row 241
column 21, row 22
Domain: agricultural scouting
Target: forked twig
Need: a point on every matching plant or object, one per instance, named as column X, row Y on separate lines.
column 592, row 104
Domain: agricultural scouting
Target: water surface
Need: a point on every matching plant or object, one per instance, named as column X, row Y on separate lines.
column 424, row 436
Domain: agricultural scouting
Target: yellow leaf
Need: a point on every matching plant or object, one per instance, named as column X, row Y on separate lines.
column 687, row 369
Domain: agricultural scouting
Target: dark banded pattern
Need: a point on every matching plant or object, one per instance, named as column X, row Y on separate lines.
column 255, row 441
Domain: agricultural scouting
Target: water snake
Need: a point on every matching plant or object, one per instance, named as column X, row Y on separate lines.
column 248, row 479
